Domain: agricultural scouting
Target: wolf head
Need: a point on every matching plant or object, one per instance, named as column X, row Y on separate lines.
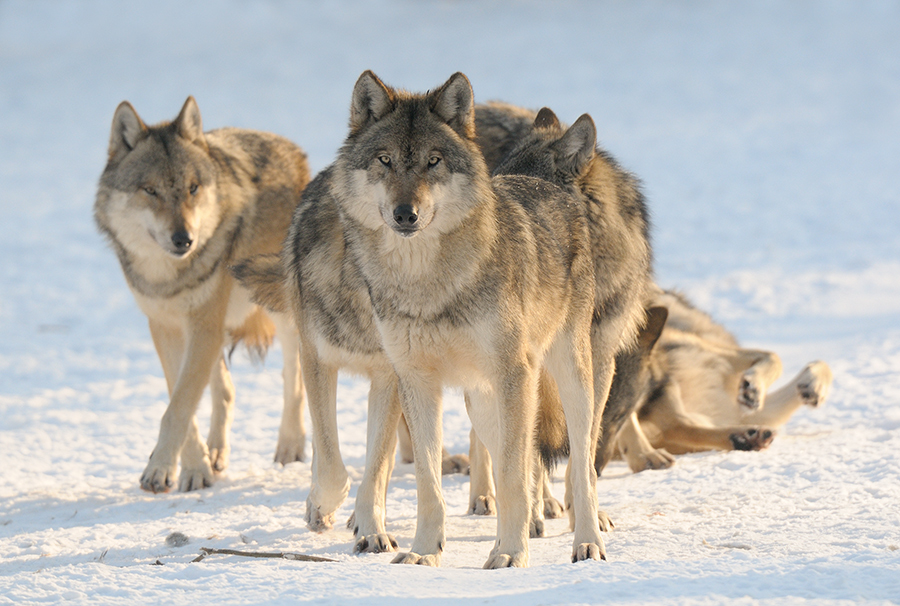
column 410, row 163
column 551, row 152
column 157, row 193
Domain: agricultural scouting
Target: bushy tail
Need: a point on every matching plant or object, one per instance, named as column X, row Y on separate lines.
column 263, row 276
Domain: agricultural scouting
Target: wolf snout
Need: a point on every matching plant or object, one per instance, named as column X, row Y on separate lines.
column 182, row 241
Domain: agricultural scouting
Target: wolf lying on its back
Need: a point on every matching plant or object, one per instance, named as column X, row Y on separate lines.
column 701, row 391
column 177, row 205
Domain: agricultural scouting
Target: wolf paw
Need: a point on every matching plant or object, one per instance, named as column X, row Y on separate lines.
column 750, row 392
column 290, row 449
column 455, row 464
column 588, row 551
column 506, row 560
column 814, row 383
column 158, row 478
column 429, row 559
column 484, row 505
column 316, row 521
column 755, row 438
column 655, row 459
column 218, row 458
column 606, row 523
column 375, row 543
column 553, row 509
column 536, row 528
column 195, row 479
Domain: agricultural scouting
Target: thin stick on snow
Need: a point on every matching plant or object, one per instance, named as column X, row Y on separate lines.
column 261, row 554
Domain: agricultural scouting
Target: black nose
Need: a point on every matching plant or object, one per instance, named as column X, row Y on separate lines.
column 406, row 215
column 182, row 241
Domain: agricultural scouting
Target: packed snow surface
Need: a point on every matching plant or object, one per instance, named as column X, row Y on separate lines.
column 767, row 135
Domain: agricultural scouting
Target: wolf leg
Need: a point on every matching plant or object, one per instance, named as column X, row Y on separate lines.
column 514, row 457
column 810, row 387
column 420, row 398
column 292, row 433
column 330, row 481
column 221, row 390
column 482, row 498
column 203, row 348
column 637, row 450
column 583, row 388
column 764, row 369
column 381, row 443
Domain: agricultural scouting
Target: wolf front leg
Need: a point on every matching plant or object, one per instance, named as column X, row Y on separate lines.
column 381, row 444
column 292, row 433
column 330, row 481
column 570, row 362
column 420, row 398
column 202, row 348
column 505, row 418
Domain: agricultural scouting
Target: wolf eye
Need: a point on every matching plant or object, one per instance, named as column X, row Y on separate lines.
column 194, row 189
column 385, row 159
column 433, row 161
column 150, row 191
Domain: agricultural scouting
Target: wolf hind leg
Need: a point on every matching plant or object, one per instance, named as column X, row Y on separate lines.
column 221, row 390
column 292, row 432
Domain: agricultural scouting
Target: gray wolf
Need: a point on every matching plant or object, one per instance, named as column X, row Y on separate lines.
column 476, row 282
column 177, row 205
column 697, row 389
column 520, row 140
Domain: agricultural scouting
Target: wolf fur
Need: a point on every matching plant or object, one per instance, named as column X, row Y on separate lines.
column 529, row 142
column 177, row 205
column 702, row 391
column 474, row 282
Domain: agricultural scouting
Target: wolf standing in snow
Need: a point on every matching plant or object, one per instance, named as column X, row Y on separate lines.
column 177, row 206
column 520, row 141
column 474, row 282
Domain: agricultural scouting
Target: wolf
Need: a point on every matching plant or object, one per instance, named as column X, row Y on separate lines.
column 520, row 140
column 475, row 282
column 697, row 390
column 177, row 205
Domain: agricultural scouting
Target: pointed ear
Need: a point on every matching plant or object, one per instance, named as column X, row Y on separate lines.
column 576, row 147
column 188, row 122
column 454, row 103
column 371, row 101
column 650, row 333
column 127, row 128
column 546, row 119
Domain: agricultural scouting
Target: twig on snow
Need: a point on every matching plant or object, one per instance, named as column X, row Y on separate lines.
column 261, row 554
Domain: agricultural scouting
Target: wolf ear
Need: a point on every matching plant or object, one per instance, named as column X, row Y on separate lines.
column 127, row 129
column 650, row 333
column 454, row 103
column 546, row 119
column 576, row 147
column 371, row 101
column 188, row 122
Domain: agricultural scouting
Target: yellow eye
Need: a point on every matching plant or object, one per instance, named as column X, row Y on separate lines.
column 385, row 159
column 150, row 191
column 433, row 161
column 194, row 189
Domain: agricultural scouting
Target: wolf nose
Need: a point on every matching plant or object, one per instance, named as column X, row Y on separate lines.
column 182, row 241
column 405, row 215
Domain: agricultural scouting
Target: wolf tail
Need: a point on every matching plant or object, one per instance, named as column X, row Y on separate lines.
column 264, row 277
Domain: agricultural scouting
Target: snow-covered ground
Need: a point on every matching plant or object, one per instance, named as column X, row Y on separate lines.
column 768, row 138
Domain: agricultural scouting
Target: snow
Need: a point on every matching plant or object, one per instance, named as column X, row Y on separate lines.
column 766, row 134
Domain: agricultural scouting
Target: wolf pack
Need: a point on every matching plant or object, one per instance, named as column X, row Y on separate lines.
column 449, row 244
